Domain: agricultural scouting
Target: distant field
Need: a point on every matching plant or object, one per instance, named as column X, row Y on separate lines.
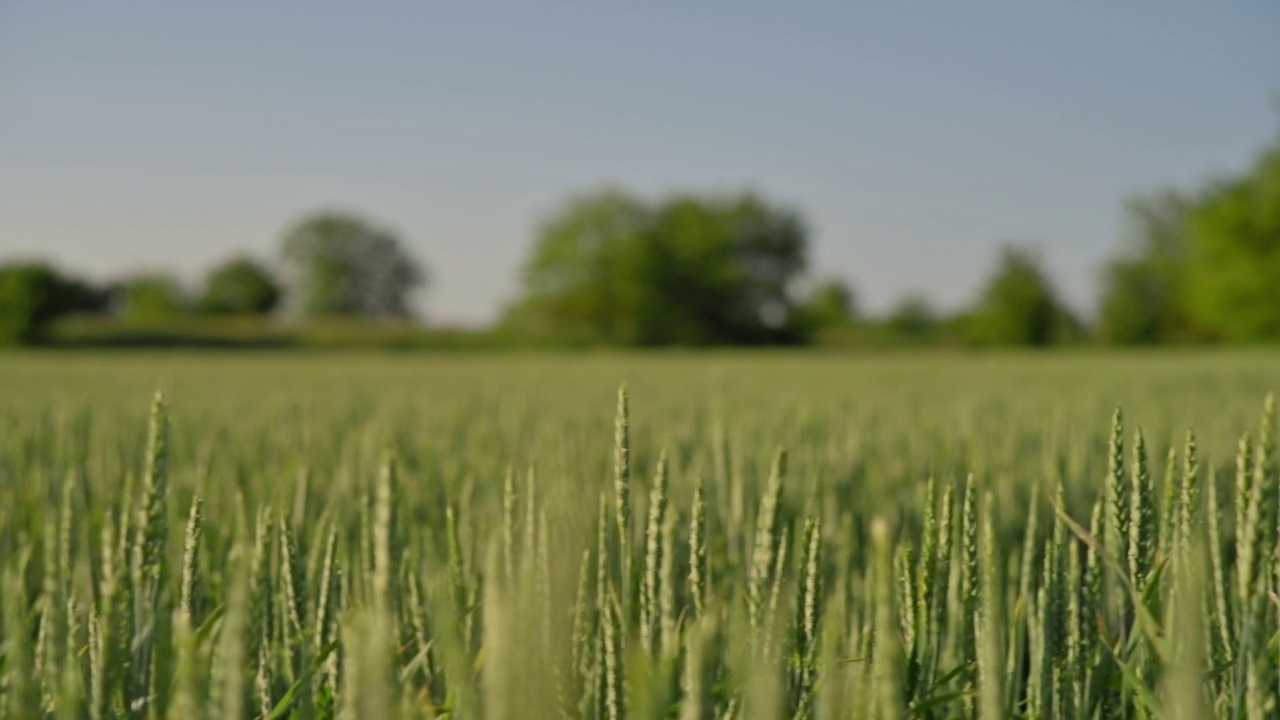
column 375, row 527
column 988, row 412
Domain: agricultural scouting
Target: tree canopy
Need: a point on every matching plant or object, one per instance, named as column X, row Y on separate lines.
column 153, row 296
column 1142, row 289
column 1200, row 266
column 33, row 294
column 912, row 318
column 689, row 270
column 830, row 304
column 1234, row 248
column 1019, row 305
column 340, row 264
column 240, row 286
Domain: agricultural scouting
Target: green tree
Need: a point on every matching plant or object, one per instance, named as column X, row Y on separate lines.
column 913, row 318
column 830, row 305
column 240, row 286
column 587, row 278
column 692, row 270
column 1132, row 308
column 724, row 271
column 1019, row 305
column 1233, row 292
column 1142, row 300
column 33, row 295
column 153, row 296
column 340, row 264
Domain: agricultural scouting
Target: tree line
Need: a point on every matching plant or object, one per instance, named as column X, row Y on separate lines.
column 330, row 264
column 699, row 269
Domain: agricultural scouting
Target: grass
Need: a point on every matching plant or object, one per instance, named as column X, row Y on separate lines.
column 734, row 535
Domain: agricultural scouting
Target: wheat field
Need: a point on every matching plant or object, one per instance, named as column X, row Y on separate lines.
column 716, row 535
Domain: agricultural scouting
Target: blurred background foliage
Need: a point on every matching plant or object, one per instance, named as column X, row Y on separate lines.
column 611, row 268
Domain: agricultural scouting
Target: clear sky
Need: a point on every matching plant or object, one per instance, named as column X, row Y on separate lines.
column 914, row 135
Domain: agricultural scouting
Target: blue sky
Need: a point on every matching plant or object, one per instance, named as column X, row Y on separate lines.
column 914, row 135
